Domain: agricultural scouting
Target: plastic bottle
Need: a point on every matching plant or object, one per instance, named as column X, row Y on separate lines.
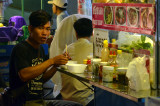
column 113, row 47
column 89, row 65
column 85, row 62
column 120, row 60
column 105, row 51
column 113, row 62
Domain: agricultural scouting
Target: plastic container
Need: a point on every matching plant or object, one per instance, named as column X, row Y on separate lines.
column 76, row 68
column 122, row 79
column 107, row 73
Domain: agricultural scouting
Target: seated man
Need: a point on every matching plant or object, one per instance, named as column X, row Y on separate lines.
column 65, row 34
column 72, row 89
column 29, row 68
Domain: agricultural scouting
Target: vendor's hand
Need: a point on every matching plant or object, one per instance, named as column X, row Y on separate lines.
column 67, row 55
column 60, row 60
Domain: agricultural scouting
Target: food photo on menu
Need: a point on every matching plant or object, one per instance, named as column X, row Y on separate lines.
column 108, row 15
column 120, row 16
column 133, row 16
column 147, row 17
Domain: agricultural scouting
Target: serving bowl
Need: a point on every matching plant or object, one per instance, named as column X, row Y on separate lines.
column 76, row 68
column 69, row 62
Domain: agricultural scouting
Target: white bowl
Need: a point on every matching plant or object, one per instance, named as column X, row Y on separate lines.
column 71, row 62
column 76, row 68
column 63, row 66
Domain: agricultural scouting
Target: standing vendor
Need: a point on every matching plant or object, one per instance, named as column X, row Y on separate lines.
column 60, row 9
column 28, row 66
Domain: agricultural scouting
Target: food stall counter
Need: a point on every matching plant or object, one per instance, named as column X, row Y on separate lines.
column 115, row 88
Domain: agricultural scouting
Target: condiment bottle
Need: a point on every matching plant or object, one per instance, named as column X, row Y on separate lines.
column 105, row 51
column 100, row 70
column 85, row 62
column 120, row 60
column 113, row 47
column 89, row 66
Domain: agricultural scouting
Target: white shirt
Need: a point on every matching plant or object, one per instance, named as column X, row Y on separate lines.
column 65, row 34
column 80, row 49
column 72, row 89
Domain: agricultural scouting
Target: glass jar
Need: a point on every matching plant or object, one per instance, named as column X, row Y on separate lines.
column 95, row 67
column 107, row 73
column 122, row 79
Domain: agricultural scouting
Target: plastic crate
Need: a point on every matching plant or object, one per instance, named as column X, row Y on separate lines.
column 5, row 76
column 5, row 50
column 4, row 62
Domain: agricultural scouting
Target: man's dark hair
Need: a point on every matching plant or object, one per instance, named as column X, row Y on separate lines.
column 83, row 27
column 39, row 18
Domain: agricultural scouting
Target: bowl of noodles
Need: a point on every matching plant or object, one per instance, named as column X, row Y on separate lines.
column 132, row 16
column 108, row 15
column 120, row 15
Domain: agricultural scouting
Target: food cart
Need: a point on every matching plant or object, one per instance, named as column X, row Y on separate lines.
column 134, row 24
column 129, row 22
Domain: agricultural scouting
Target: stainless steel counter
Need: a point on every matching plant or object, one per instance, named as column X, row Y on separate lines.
column 118, row 89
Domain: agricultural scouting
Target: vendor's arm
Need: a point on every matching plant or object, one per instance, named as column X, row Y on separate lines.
column 29, row 73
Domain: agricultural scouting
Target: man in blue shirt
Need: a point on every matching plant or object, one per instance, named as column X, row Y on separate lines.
column 59, row 8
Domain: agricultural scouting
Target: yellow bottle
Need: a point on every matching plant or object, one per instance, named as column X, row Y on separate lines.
column 105, row 51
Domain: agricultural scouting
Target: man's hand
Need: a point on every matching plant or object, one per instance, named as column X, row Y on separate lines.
column 67, row 55
column 60, row 60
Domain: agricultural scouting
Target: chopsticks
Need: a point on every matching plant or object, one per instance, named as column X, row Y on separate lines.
column 66, row 50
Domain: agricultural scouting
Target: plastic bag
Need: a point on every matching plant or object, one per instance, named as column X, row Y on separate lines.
column 85, row 7
column 137, row 74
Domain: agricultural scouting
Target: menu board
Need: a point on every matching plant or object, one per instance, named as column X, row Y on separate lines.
column 99, row 36
column 136, row 18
